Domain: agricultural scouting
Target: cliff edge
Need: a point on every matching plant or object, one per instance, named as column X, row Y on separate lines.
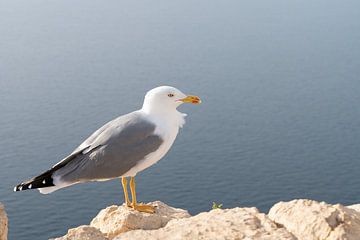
column 300, row 219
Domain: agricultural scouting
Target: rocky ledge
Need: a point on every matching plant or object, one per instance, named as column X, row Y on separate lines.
column 297, row 220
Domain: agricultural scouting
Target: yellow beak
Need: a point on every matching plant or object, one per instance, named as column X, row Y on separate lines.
column 191, row 99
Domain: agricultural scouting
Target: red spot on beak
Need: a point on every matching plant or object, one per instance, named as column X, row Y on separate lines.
column 191, row 99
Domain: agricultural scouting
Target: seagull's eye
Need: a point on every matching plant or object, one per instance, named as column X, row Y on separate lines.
column 170, row 95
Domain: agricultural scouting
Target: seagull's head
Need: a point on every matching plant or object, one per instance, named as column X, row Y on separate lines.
column 166, row 98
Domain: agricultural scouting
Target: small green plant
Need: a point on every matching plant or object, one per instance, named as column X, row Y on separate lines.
column 216, row 206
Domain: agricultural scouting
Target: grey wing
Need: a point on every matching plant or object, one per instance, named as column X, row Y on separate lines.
column 90, row 140
column 84, row 146
column 122, row 144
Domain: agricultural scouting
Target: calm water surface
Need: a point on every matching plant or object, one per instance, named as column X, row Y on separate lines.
column 280, row 87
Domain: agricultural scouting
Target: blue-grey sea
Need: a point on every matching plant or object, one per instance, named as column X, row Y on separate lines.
column 279, row 80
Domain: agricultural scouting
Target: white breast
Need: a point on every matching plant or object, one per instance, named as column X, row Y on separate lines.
column 167, row 128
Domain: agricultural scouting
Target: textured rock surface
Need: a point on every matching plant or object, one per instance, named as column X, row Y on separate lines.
column 118, row 219
column 83, row 233
column 3, row 223
column 114, row 220
column 296, row 220
column 237, row 223
column 355, row 207
column 311, row 220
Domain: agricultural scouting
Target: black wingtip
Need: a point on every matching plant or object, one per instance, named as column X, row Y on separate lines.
column 22, row 186
column 41, row 181
column 18, row 188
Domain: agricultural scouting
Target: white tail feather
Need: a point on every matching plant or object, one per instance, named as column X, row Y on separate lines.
column 48, row 190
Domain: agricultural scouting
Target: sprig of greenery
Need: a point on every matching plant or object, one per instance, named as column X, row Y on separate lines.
column 216, row 206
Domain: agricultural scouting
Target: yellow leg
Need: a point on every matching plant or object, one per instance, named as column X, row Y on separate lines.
column 124, row 184
column 139, row 206
column 133, row 191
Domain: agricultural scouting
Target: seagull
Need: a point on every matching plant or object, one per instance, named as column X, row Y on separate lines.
column 122, row 147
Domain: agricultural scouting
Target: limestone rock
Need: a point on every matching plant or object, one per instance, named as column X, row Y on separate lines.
column 3, row 223
column 236, row 223
column 83, row 233
column 118, row 219
column 311, row 220
column 356, row 207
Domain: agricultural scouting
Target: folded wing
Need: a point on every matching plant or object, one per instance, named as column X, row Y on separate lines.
column 108, row 153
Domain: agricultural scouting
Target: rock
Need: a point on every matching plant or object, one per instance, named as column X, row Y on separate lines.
column 356, row 207
column 3, row 223
column 236, row 223
column 114, row 220
column 296, row 220
column 83, row 233
column 311, row 220
column 118, row 219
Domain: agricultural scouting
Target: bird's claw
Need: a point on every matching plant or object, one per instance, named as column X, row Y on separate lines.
column 144, row 208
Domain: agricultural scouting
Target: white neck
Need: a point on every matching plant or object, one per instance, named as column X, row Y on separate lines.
column 170, row 116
